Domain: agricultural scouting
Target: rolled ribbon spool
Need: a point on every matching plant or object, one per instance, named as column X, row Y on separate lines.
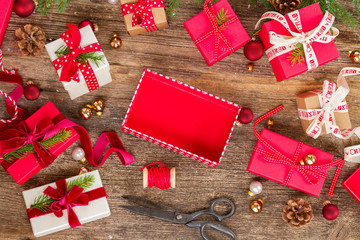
column 158, row 176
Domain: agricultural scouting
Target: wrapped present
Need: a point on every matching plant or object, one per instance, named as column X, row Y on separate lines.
column 34, row 143
column 79, row 61
column 279, row 159
column 217, row 31
column 5, row 13
column 351, row 184
column 181, row 118
column 66, row 203
column 141, row 16
column 286, row 37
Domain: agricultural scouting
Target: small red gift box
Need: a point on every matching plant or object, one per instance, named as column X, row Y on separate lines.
column 23, row 168
column 277, row 158
column 307, row 19
column 351, row 184
column 213, row 41
column 5, row 13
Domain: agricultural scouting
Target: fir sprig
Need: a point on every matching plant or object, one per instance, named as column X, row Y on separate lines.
column 221, row 18
column 45, row 5
column 43, row 201
column 297, row 55
column 61, row 136
column 82, row 57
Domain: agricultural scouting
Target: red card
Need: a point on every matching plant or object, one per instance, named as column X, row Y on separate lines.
column 351, row 184
column 181, row 118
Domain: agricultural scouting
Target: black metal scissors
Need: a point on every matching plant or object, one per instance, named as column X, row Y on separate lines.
column 165, row 213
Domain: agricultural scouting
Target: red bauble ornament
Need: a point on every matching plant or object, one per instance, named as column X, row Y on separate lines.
column 330, row 211
column 31, row 91
column 88, row 22
column 253, row 50
column 245, row 116
column 24, row 8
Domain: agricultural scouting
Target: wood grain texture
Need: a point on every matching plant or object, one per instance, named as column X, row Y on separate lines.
column 172, row 53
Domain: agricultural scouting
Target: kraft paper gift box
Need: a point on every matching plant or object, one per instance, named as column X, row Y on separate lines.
column 310, row 100
column 311, row 17
column 351, row 184
column 235, row 33
column 181, row 118
column 91, row 205
column 5, row 13
column 101, row 71
column 23, row 167
column 157, row 16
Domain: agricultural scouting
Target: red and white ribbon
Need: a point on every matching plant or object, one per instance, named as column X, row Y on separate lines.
column 282, row 44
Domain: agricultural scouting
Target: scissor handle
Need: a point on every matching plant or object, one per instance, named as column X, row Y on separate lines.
column 211, row 210
column 203, row 224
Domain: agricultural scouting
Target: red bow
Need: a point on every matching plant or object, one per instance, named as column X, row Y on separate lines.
column 216, row 31
column 70, row 66
column 143, row 14
column 19, row 136
column 65, row 200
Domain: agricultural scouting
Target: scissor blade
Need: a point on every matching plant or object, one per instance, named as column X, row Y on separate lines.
column 146, row 203
column 152, row 212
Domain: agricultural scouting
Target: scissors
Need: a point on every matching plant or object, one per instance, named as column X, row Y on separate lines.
column 155, row 210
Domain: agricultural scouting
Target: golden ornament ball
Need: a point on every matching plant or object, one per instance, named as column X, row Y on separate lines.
column 270, row 123
column 256, row 206
column 85, row 113
column 251, row 193
column 354, row 56
column 302, row 162
column 99, row 107
column 83, row 170
column 250, row 67
column 310, row 159
column 115, row 41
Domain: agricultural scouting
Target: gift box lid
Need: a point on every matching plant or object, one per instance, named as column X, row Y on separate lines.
column 351, row 184
column 5, row 13
column 180, row 117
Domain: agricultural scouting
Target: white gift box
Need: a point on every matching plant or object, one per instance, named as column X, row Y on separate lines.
column 102, row 71
column 49, row 223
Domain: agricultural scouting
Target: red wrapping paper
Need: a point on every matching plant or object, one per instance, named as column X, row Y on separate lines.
column 278, row 172
column 199, row 25
column 26, row 167
column 5, row 13
column 311, row 16
column 351, row 184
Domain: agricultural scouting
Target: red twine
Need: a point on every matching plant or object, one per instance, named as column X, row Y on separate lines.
column 158, row 176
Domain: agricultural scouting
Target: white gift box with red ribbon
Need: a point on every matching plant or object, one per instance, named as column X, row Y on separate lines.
column 102, row 71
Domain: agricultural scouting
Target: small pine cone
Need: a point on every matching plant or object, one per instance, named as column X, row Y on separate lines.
column 297, row 212
column 285, row 6
column 30, row 40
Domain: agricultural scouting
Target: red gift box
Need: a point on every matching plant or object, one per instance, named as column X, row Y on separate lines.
column 181, row 118
column 215, row 45
column 24, row 168
column 277, row 158
column 351, row 184
column 5, row 13
column 310, row 18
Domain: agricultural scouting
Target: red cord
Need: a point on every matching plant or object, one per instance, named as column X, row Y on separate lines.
column 158, row 176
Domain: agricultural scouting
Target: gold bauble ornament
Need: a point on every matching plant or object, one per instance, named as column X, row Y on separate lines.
column 270, row 123
column 99, row 107
column 250, row 67
column 354, row 56
column 86, row 113
column 256, row 206
column 83, row 170
column 310, row 159
column 115, row 41
column 251, row 193
column 302, row 162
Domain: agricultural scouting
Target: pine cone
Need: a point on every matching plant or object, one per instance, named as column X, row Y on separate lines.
column 297, row 212
column 30, row 40
column 285, row 6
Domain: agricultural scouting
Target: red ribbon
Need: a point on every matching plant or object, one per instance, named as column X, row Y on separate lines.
column 67, row 200
column 143, row 14
column 210, row 14
column 310, row 172
column 70, row 66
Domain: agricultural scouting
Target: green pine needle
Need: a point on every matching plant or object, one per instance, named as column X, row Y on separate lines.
column 45, row 5
column 82, row 57
column 61, row 136
column 43, row 201
column 173, row 8
column 222, row 17
column 297, row 55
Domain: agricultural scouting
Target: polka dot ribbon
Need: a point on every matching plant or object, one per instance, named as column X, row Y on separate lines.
column 143, row 14
column 310, row 172
column 70, row 66
column 216, row 30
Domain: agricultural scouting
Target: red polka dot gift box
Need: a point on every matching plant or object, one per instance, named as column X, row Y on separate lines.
column 79, row 61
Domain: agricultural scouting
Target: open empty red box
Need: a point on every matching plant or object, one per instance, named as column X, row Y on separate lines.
column 181, row 118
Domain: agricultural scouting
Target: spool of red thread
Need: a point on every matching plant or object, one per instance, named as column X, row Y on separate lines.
column 159, row 175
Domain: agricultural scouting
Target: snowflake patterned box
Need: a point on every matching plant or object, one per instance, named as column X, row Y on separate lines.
column 181, row 118
column 66, row 203
column 306, row 28
column 141, row 16
column 79, row 61
column 217, row 31
column 34, row 144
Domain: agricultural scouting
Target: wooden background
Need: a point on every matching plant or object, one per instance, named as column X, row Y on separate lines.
column 172, row 53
